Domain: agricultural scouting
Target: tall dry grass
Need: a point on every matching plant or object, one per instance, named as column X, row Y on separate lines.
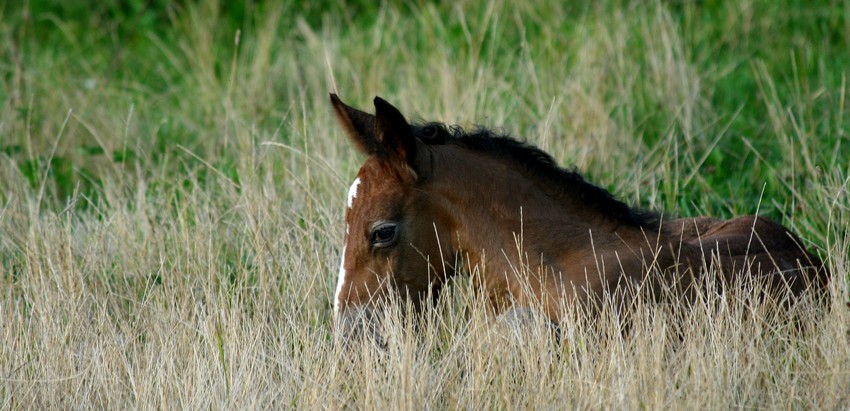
column 189, row 259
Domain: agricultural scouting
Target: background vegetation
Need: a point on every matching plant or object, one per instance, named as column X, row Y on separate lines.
column 172, row 181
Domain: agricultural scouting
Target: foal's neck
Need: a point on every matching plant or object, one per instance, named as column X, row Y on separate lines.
column 503, row 212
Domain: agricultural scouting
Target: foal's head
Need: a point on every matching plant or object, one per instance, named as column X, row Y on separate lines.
column 395, row 233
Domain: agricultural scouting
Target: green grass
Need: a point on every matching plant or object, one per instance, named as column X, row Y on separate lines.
column 172, row 185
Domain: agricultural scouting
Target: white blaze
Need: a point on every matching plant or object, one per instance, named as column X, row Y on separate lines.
column 339, row 281
column 352, row 192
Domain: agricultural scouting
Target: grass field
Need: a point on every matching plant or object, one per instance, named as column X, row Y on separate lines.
column 172, row 185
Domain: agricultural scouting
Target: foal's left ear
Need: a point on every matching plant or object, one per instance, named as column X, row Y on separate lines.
column 358, row 126
column 394, row 136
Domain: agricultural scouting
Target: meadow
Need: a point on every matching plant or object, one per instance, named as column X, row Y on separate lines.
column 172, row 189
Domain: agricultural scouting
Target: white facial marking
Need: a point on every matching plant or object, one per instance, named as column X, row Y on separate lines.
column 352, row 192
column 339, row 282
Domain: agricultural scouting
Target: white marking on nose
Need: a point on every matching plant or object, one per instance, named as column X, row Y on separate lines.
column 339, row 282
column 352, row 192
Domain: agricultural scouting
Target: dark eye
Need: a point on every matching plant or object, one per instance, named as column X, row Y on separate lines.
column 384, row 234
column 432, row 134
column 430, row 131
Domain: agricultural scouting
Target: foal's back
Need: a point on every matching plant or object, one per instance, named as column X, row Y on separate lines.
column 751, row 244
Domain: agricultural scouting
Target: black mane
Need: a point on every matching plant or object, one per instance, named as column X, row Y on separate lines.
column 539, row 164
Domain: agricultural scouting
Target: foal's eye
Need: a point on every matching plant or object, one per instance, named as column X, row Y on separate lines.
column 430, row 131
column 384, row 234
column 431, row 134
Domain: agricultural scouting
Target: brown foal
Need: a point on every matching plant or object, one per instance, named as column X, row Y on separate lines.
column 428, row 194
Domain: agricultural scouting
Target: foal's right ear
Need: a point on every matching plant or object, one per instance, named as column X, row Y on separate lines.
column 358, row 125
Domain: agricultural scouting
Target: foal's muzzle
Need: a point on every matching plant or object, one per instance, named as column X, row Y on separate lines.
column 358, row 323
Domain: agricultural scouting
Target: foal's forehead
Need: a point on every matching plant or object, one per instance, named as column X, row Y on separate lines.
column 358, row 188
column 379, row 175
column 374, row 184
column 352, row 191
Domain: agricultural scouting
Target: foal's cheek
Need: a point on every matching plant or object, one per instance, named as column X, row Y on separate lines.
column 386, row 270
column 419, row 265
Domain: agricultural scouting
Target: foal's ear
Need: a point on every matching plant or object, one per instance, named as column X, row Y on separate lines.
column 393, row 134
column 359, row 126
